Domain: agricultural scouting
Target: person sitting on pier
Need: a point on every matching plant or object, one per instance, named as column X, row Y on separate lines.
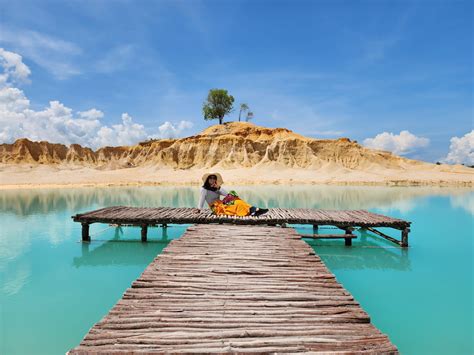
column 231, row 205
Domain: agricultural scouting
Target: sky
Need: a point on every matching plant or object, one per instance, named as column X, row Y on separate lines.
column 393, row 75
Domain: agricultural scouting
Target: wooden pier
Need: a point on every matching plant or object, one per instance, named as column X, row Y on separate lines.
column 234, row 288
column 345, row 220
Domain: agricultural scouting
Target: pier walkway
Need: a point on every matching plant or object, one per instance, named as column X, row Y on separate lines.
column 345, row 220
column 234, row 288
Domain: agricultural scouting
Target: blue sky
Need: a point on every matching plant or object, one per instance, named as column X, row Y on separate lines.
column 324, row 69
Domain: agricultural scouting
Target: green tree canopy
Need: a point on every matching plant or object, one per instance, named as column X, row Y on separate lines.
column 217, row 105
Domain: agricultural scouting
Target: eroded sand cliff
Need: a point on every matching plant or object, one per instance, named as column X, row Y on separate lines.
column 250, row 154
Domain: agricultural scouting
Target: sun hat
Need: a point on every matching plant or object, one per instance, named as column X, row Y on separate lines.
column 218, row 176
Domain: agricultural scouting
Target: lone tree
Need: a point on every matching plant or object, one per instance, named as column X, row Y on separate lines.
column 218, row 104
column 243, row 108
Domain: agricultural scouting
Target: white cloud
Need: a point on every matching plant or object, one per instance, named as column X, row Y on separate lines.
column 461, row 150
column 126, row 133
column 169, row 130
column 55, row 123
column 13, row 100
column 53, row 54
column 14, row 68
column 402, row 205
column 92, row 114
column 465, row 201
column 403, row 143
column 58, row 124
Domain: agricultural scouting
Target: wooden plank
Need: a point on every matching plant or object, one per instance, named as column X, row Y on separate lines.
column 226, row 288
column 274, row 216
column 343, row 219
column 383, row 235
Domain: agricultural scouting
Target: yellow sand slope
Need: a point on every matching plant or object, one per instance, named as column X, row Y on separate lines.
column 244, row 152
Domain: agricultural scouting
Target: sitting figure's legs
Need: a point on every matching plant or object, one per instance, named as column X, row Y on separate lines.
column 256, row 211
column 236, row 207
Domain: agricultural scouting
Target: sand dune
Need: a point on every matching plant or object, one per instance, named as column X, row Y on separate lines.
column 243, row 152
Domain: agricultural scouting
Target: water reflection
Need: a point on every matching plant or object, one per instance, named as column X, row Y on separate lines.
column 40, row 249
column 368, row 252
column 15, row 278
column 402, row 199
column 44, row 214
column 465, row 201
column 119, row 253
column 43, row 201
column 120, row 250
column 18, row 233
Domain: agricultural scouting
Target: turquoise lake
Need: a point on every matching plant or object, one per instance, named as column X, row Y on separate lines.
column 53, row 288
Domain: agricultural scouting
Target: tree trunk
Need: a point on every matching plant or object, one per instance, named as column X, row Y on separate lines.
column 220, row 120
column 240, row 112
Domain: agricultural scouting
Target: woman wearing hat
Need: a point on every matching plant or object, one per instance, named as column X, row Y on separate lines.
column 232, row 205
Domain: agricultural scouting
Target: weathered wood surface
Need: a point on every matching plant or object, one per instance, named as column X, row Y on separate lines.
column 185, row 215
column 224, row 288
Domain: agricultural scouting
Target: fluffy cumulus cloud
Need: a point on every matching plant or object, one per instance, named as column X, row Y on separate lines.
column 92, row 114
column 126, row 133
column 14, row 70
column 400, row 144
column 461, row 150
column 169, row 130
column 60, row 124
column 55, row 123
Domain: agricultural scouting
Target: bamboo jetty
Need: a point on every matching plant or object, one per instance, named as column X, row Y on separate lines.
column 223, row 288
column 346, row 220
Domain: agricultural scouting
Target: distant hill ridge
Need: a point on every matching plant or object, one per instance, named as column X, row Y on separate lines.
column 231, row 145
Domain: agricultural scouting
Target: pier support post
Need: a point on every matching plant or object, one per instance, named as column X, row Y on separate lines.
column 315, row 228
column 164, row 226
column 144, row 232
column 85, row 232
column 348, row 241
column 405, row 232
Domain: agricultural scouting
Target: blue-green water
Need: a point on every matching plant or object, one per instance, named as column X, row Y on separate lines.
column 54, row 288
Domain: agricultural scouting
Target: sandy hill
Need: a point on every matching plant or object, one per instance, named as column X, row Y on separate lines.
column 233, row 145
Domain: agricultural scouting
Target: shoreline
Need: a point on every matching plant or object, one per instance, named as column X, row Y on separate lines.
column 445, row 184
column 48, row 176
